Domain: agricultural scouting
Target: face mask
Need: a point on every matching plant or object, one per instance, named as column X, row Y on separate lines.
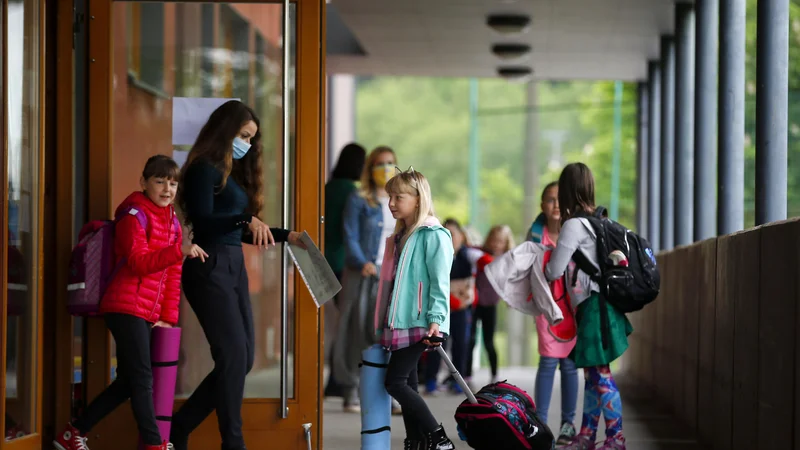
column 382, row 174
column 240, row 148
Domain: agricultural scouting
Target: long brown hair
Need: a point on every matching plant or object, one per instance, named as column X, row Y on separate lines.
column 575, row 191
column 368, row 187
column 214, row 145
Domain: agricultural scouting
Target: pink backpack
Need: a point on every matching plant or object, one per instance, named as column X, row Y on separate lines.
column 92, row 266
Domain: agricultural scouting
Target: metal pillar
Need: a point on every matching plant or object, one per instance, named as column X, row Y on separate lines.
column 474, row 156
column 705, row 119
column 772, row 109
column 667, row 142
column 654, row 155
column 684, row 123
column 616, row 158
column 732, row 26
column 642, row 170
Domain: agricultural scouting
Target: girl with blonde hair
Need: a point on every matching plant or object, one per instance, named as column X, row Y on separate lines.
column 413, row 302
column 367, row 222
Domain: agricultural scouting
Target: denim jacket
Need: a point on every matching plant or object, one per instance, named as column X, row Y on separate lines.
column 363, row 226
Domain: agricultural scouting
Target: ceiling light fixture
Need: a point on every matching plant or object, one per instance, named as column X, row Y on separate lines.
column 509, row 23
column 510, row 51
column 515, row 73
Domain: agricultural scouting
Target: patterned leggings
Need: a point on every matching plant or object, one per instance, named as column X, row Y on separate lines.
column 601, row 396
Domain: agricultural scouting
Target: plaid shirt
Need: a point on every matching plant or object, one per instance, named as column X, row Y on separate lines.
column 394, row 339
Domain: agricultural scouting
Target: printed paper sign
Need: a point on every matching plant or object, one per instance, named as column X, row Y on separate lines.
column 189, row 114
column 315, row 270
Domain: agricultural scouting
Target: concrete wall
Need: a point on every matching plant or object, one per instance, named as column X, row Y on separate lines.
column 719, row 345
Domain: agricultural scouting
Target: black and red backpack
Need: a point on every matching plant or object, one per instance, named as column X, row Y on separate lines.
column 504, row 418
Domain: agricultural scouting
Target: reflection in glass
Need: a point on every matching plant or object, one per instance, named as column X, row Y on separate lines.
column 166, row 50
column 22, row 109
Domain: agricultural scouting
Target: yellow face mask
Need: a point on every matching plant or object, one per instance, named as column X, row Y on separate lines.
column 383, row 173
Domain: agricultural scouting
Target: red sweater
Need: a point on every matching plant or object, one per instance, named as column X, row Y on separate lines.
column 148, row 285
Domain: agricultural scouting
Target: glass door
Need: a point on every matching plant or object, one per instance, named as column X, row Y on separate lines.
column 169, row 64
column 22, row 119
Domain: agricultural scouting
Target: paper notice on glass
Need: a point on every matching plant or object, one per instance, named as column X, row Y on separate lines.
column 189, row 114
column 315, row 270
column 179, row 156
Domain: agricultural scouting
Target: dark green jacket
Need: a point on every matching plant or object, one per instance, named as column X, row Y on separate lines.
column 336, row 192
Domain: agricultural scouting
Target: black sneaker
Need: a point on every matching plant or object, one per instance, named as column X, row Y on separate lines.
column 411, row 444
column 566, row 434
column 438, row 440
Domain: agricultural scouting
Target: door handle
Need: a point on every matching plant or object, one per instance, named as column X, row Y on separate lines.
column 284, row 412
column 307, row 432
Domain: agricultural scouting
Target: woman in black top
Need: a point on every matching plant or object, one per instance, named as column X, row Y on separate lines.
column 220, row 193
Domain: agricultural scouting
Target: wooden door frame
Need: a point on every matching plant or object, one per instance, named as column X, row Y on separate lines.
column 4, row 210
column 33, row 441
column 60, row 410
column 305, row 403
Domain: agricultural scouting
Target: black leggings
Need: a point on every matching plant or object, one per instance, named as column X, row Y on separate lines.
column 401, row 383
column 218, row 293
column 134, row 379
column 488, row 317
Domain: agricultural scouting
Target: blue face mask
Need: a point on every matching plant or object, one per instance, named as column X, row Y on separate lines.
column 240, row 148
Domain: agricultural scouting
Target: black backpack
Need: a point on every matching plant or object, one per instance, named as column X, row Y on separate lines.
column 629, row 288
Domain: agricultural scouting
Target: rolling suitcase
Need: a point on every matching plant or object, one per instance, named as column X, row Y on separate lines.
column 499, row 416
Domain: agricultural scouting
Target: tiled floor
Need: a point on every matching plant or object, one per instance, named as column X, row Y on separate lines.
column 646, row 426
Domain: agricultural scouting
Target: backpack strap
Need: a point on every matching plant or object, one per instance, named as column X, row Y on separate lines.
column 600, row 212
column 176, row 225
column 537, row 229
column 135, row 212
column 142, row 218
column 585, row 266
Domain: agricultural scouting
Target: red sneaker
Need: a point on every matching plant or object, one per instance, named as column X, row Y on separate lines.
column 70, row 439
column 164, row 446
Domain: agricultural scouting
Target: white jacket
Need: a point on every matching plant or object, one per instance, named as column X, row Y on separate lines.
column 519, row 273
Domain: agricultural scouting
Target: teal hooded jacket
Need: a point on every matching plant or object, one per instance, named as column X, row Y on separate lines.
column 420, row 294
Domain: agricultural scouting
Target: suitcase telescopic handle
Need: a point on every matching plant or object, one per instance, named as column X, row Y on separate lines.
column 453, row 371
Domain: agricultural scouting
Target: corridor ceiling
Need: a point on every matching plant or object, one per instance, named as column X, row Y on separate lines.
column 570, row 39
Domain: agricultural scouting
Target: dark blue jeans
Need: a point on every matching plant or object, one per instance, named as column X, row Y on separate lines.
column 460, row 322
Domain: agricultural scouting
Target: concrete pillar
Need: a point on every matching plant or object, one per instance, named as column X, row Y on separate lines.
column 684, row 124
column 732, row 27
column 705, row 119
column 667, row 142
column 772, row 109
column 341, row 116
column 520, row 326
column 654, row 155
column 642, row 169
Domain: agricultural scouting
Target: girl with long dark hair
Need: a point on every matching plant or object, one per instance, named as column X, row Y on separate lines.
column 221, row 195
column 601, row 396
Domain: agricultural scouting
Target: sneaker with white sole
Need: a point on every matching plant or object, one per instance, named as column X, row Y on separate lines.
column 566, row 434
column 70, row 439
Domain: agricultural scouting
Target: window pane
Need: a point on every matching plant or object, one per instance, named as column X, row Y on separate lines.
column 212, row 51
column 22, row 109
